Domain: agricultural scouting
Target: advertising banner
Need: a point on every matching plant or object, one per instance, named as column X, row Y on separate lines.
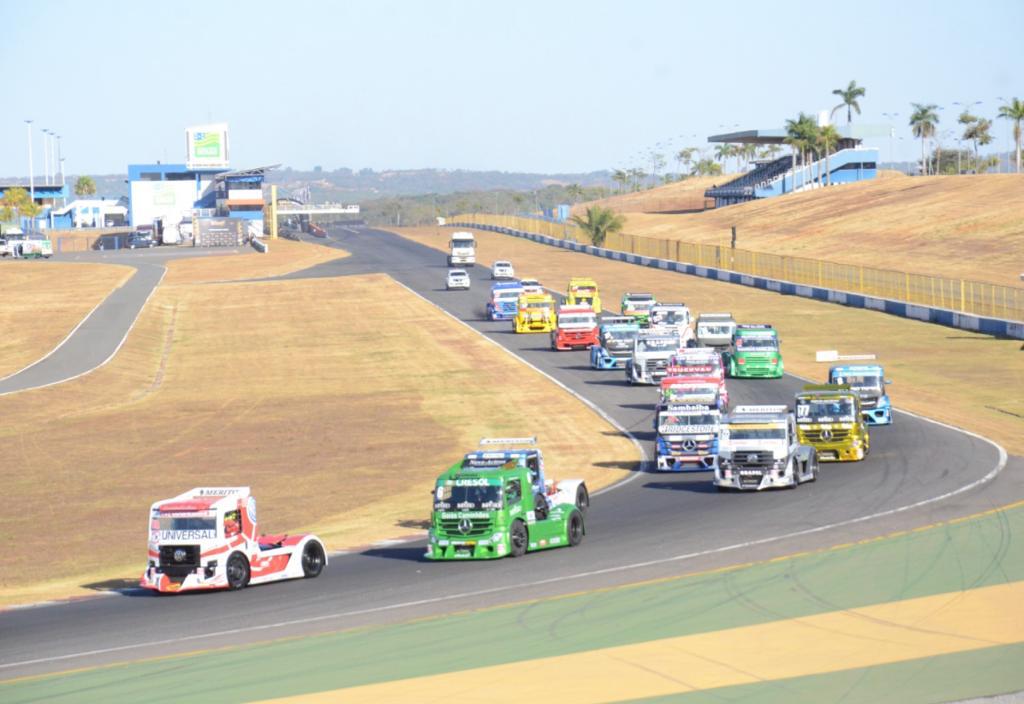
column 207, row 146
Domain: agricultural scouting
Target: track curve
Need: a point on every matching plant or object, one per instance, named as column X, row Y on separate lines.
column 655, row 525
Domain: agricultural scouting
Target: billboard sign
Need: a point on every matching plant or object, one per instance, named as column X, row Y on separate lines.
column 207, row 146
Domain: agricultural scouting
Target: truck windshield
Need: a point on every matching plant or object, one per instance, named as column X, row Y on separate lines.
column 628, row 334
column 583, row 291
column 467, row 498
column 671, row 392
column 537, row 305
column 824, row 410
column 861, row 382
column 639, row 305
column 713, row 329
column 749, row 344
column 674, row 422
column 670, row 317
column 766, row 433
column 176, row 522
column 463, row 244
column 657, row 344
column 577, row 320
column 507, row 295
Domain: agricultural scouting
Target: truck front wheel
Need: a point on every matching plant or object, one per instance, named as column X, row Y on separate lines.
column 575, row 529
column 519, row 538
column 312, row 559
column 237, row 571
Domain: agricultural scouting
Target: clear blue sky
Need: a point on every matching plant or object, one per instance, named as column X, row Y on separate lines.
column 516, row 86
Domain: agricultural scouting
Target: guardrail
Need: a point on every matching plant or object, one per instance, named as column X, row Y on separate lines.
column 259, row 245
column 720, row 272
column 973, row 298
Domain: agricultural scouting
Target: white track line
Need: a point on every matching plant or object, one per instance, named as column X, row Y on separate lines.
column 112, row 354
column 579, row 575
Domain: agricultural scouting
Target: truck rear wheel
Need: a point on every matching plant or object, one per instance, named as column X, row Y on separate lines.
column 582, row 498
column 519, row 538
column 237, row 571
column 312, row 559
column 575, row 529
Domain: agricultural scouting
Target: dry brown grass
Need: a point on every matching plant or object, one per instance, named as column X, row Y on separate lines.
column 968, row 227
column 282, row 257
column 964, row 379
column 682, row 195
column 44, row 301
column 268, row 384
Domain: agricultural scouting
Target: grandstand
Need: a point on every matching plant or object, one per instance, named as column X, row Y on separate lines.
column 851, row 162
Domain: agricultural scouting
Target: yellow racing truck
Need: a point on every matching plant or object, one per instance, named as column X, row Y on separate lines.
column 583, row 291
column 535, row 312
column 828, row 417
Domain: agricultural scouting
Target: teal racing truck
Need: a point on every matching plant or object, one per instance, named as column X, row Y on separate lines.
column 753, row 353
column 496, row 502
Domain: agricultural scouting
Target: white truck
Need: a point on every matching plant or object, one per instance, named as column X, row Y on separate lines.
column 648, row 363
column 672, row 316
column 715, row 329
column 462, row 249
column 758, row 449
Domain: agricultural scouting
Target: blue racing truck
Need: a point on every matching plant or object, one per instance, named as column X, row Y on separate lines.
column 504, row 300
column 869, row 381
column 615, row 342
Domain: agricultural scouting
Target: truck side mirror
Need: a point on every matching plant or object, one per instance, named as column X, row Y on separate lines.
column 888, row 381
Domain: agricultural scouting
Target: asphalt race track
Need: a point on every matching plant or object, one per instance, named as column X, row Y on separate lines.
column 652, row 525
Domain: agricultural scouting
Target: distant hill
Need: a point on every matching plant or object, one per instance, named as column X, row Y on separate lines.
column 350, row 186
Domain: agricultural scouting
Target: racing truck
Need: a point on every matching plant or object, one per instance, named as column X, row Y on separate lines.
column 869, row 381
column 701, row 362
column 687, row 438
column 637, row 305
column 691, row 391
column 583, row 291
column 672, row 316
column 462, row 249
column 758, row 448
column 496, row 502
column 504, row 300
column 648, row 363
column 615, row 342
column 207, row 538
column 828, row 416
column 754, row 352
column 535, row 313
column 577, row 328
column 715, row 329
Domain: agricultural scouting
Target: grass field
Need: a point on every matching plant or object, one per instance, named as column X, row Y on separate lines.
column 683, row 195
column 956, row 226
column 965, row 379
column 282, row 257
column 267, row 384
column 44, row 301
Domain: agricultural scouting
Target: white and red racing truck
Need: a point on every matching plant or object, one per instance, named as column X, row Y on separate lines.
column 207, row 538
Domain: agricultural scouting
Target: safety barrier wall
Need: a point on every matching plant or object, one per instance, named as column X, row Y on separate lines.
column 973, row 298
column 824, row 281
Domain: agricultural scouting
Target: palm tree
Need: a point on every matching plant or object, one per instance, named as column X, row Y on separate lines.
column 829, row 137
column 979, row 133
column 706, row 167
column 574, row 191
column 598, row 223
column 849, row 96
column 966, row 119
column 922, row 122
column 684, row 158
column 801, row 136
column 620, row 177
column 85, row 186
column 723, row 152
column 1014, row 110
column 15, row 202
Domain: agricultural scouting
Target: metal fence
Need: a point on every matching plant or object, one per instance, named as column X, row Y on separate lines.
column 962, row 295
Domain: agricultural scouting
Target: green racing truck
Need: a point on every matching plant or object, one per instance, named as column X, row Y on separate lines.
column 496, row 502
column 753, row 352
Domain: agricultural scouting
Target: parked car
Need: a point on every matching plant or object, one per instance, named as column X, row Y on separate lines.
column 137, row 240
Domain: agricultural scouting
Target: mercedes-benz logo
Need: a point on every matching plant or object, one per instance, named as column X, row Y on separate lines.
column 826, row 434
column 179, row 555
column 689, row 445
column 751, row 458
column 465, row 525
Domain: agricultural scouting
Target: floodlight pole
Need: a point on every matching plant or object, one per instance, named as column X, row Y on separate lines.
column 31, row 180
